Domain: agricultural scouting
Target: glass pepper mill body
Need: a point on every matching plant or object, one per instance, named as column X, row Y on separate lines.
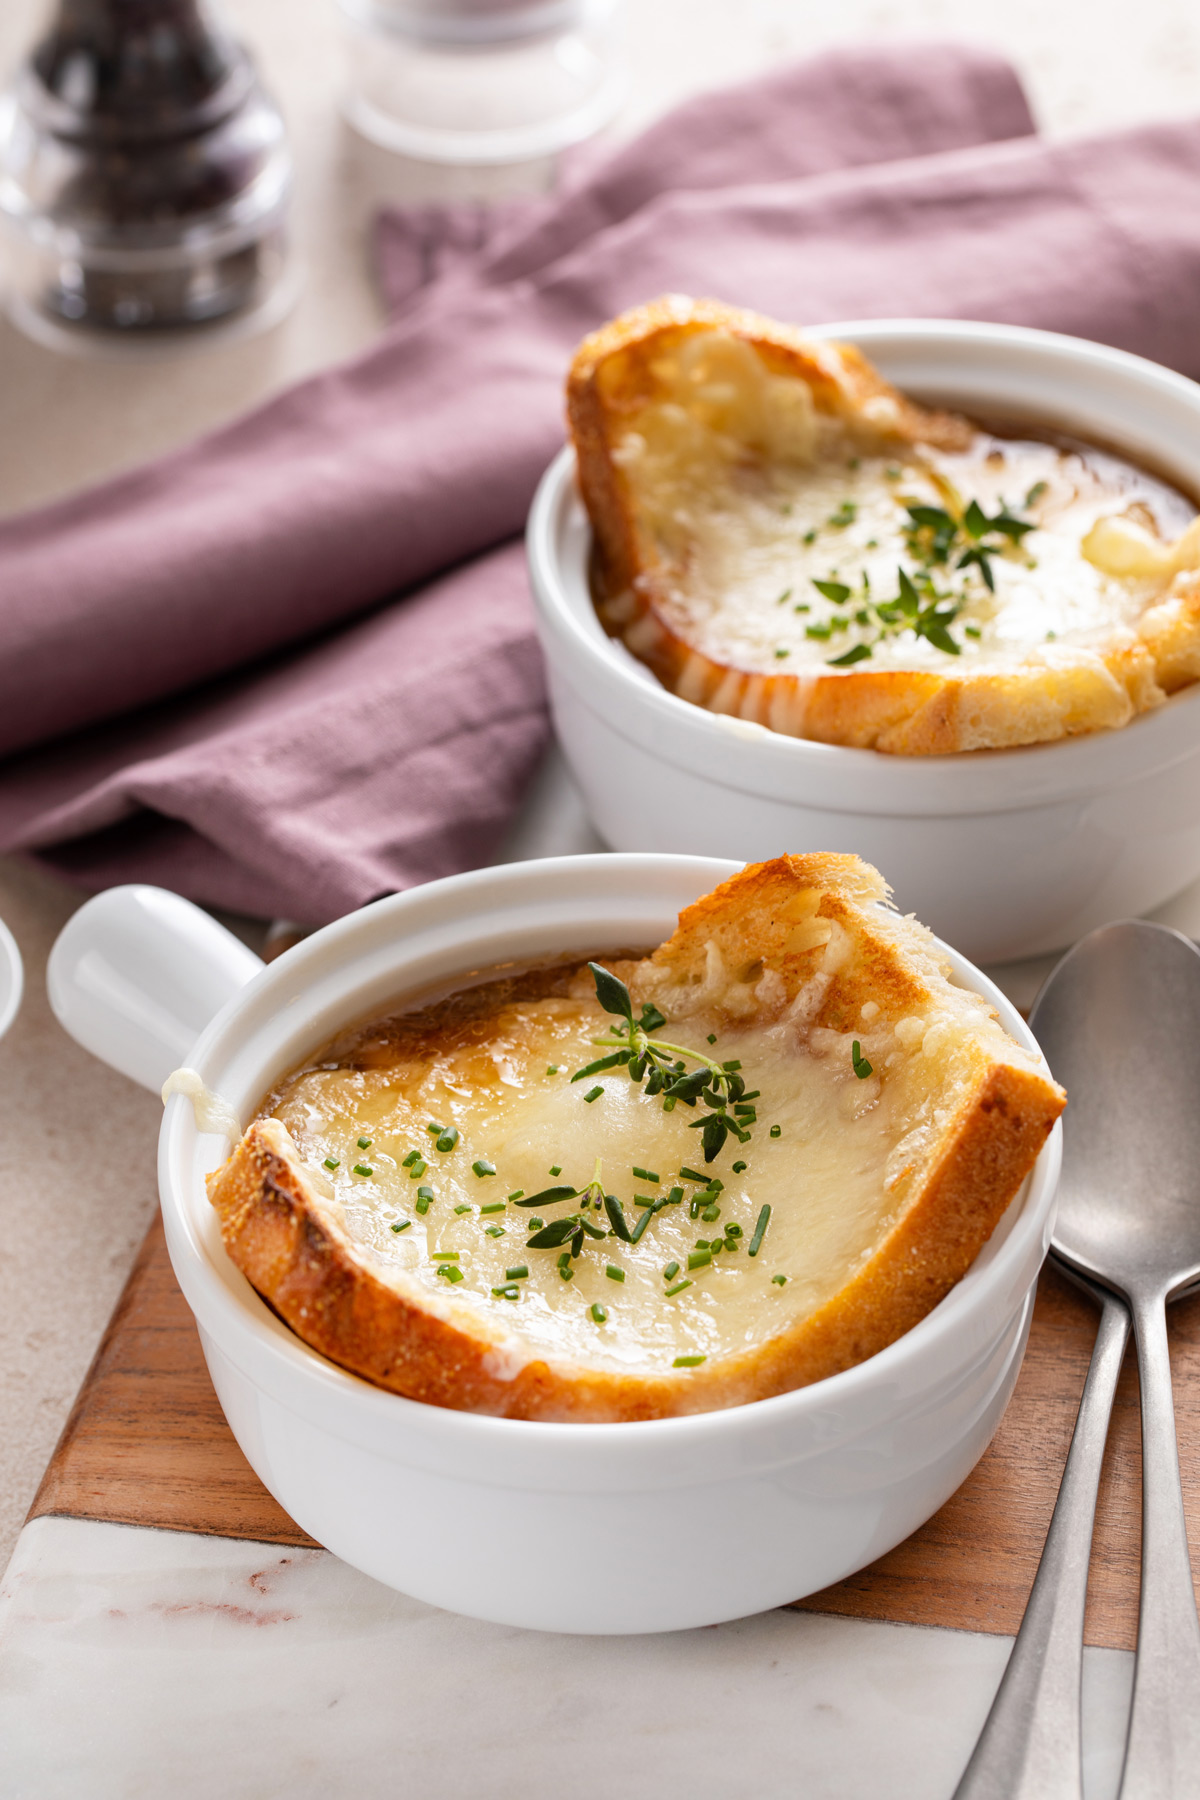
column 144, row 173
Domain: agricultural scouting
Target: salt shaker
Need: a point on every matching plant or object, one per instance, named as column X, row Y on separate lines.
column 481, row 81
column 144, row 175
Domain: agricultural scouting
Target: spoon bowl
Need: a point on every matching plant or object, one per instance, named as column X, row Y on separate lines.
column 1119, row 1022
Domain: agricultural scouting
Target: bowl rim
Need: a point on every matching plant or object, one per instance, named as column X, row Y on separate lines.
column 751, row 758
column 12, row 970
column 238, row 1318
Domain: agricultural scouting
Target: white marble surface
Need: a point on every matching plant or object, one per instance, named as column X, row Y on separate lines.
column 141, row 1663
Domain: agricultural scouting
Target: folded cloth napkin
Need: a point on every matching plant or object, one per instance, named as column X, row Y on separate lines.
column 863, row 183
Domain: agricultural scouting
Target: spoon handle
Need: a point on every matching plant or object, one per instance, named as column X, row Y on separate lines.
column 1029, row 1748
column 1162, row 1751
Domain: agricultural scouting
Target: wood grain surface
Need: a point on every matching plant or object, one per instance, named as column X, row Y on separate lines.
column 147, row 1444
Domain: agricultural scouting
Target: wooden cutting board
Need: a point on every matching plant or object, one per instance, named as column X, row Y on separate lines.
column 147, row 1444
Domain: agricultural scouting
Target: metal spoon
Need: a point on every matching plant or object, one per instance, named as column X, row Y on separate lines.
column 1119, row 1021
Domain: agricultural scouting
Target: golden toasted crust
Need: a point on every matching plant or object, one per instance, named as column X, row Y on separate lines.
column 282, row 1233
column 897, row 711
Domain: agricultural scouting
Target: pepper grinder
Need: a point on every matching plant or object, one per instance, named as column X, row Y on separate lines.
column 144, row 175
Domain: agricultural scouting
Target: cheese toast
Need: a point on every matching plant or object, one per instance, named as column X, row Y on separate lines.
column 515, row 1204
column 782, row 536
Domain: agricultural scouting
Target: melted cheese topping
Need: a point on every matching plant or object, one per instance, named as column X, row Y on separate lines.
column 750, row 496
column 833, row 1179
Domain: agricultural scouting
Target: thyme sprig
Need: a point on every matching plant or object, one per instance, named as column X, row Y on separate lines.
column 663, row 1066
column 937, row 537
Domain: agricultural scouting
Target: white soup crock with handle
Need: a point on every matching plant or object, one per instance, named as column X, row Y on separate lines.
column 583, row 1528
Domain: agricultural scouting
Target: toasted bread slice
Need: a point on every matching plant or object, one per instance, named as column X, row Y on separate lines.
column 888, row 1123
column 749, row 490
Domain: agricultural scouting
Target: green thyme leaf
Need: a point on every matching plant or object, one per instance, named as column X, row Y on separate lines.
column 549, row 1196
column 612, row 993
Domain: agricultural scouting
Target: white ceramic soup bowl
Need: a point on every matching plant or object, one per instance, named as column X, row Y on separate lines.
column 586, row 1528
column 1004, row 853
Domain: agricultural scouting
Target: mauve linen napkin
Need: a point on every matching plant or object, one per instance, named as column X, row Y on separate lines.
column 862, row 183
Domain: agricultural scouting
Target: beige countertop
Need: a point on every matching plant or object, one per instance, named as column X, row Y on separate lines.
column 77, row 1142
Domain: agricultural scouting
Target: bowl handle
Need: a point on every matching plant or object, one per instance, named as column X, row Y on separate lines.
column 137, row 974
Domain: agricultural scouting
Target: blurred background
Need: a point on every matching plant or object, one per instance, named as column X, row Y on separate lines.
column 1087, row 64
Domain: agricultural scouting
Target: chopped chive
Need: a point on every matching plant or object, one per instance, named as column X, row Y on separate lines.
column 810, row 537
column 462, row 1208
column 412, row 1157
column 598, row 1313
column 644, row 1200
column 535, row 1225
column 616, row 1216
column 972, row 631
column 434, row 1129
column 445, row 1255
column 364, row 1143
column 678, row 1288
column 733, row 1229
column 674, row 1197
column 777, row 1131
column 555, row 1169
column 403, row 1225
column 645, row 1174
column 496, row 1206
column 483, row 1167
column 760, row 1231
column 671, row 1271
column 669, row 1103
column 688, row 1362
column 779, row 1280
column 710, row 1213
column 635, row 1235
column 567, row 1272
column 424, row 1196
column 694, row 1208
column 593, row 1093
column 781, row 654
column 450, row 1272
column 613, row 1273
column 699, row 1259
column 418, row 1169
column 494, row 1230
column 782, row 601
column 447, row 1140
column 862, row 1067
column 519, row 1273
column 738, row 1167
column 552, row 1068
column 507, row 1292
column 516, row 1193
column 362, row 1169
column 333, row 1162
column 691, row 1175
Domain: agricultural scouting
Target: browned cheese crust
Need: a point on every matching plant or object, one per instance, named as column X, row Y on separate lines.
column 917, row 712
column 287, row 1240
